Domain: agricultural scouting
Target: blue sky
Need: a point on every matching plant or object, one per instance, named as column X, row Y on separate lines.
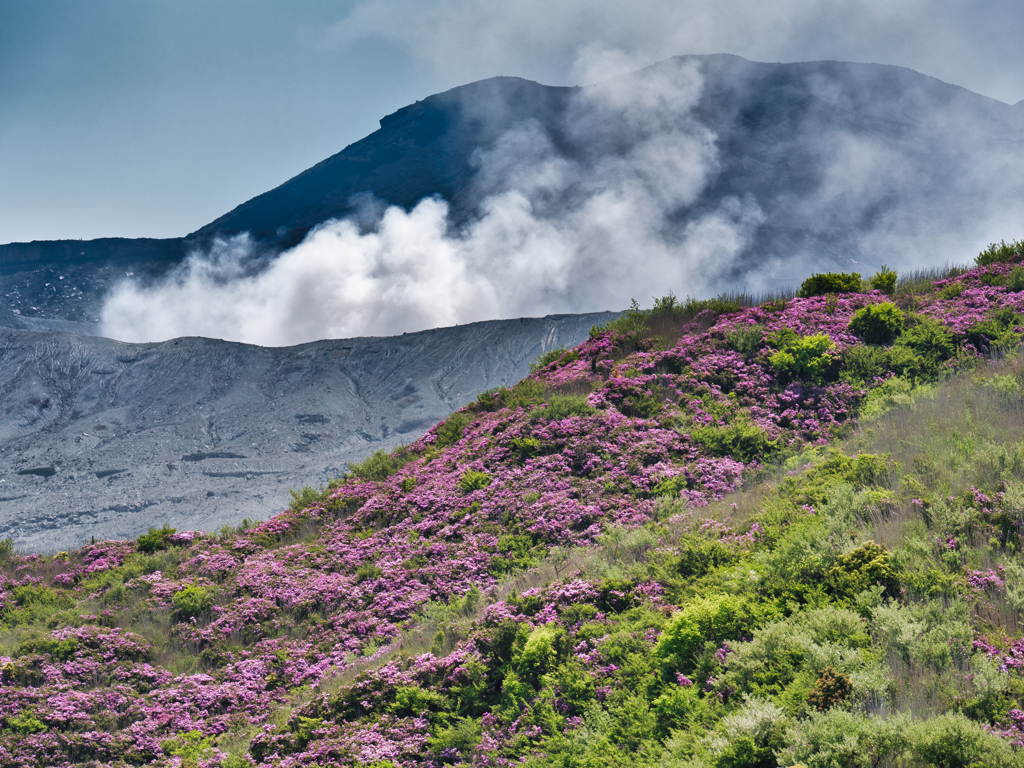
column 150, row 118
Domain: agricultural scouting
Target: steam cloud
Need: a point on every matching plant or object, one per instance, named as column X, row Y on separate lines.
column 552, row 235
column 619, row 201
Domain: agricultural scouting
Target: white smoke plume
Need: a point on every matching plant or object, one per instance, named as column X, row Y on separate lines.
column 552, row 235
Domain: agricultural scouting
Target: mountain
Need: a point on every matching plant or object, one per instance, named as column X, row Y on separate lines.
column 713, row 534
column 812, row 165
column 101, row 439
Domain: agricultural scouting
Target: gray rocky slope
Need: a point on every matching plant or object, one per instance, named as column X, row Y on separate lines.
column 103, row 439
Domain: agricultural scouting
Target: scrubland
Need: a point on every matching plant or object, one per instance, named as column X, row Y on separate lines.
column 748, row 531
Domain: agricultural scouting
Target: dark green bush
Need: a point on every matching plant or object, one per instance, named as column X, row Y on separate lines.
column 830, row 282
column 62, row 650
column 451, row 430
column 699, row 557
column 952, row 291
column 1015, row 280
column 561, row 355
column 877, row 323
column 997, row 332
column 832, row 688
column 746, row 340
column 155, row 539
column 1001, row 251
column 932, row 344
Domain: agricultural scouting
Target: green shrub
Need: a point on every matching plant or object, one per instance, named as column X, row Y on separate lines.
column 747, row 340
column 806, row 358
column 524, row 394
column 561, row 355
column 526, row 447
column 699, row 556
column 563, row 406
column 952, row 291
column 877, row 323
column 305, row 497
column 460, row 738
column 997, row 332
column 62, row 650
column 838, row 738
column 830, row 282
column 449, row 432
column 1015, row 280
column 25, row 724
column 754, row 734
column 472, row 480
column 155, row 539
column 742, row 440
column 884, row 280
column 953, row 741
column 191, row 601
column 378, row 466
column 999, row 252
column 707, row 619
column 931, row 343
column 868, row 565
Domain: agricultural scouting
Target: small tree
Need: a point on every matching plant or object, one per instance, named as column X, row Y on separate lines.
column 832, row 688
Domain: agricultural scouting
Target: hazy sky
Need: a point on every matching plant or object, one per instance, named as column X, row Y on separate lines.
column 151, row 118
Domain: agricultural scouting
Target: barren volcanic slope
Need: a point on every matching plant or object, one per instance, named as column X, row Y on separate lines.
column 100, row 438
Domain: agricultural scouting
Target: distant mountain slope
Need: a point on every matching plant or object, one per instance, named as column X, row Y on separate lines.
column 831, row 162
column 100, row 438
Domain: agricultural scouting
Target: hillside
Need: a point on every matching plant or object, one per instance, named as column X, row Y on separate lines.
column 713, row 534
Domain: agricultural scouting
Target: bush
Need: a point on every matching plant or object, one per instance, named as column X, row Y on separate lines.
column 1000, row 252
column 848, row 739
column 747, row 340
column 451, row 429
column 877, row 323
column 953, row 741
column 562, row 355
column 884, row 280
column 804, row 358
column 830, row 282
column 155, row 539
column 707, row 620
column 742, row 440
column 832, row 688
column 1015, row 280
column 191, row 601
column 998, row 332
column 472, row 480
column 931, row 343
column 378, row 466
column 868, row 565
